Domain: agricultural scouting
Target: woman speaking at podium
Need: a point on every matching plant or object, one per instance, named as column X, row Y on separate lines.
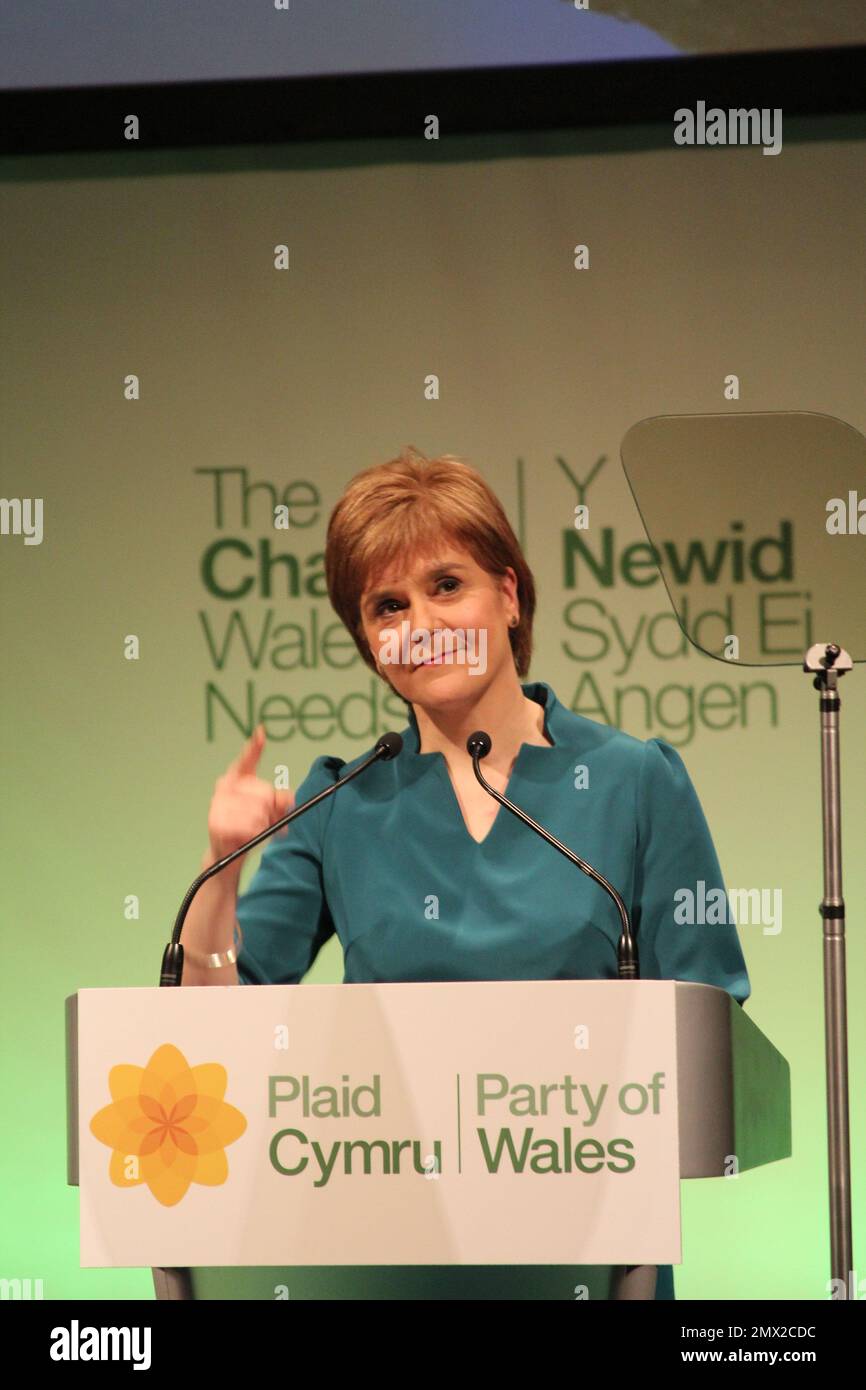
column 418, row 870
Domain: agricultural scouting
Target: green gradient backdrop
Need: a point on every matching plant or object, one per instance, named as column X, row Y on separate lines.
column 405, row 260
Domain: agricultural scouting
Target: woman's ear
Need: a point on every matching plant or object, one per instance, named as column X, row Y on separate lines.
column 508, row 586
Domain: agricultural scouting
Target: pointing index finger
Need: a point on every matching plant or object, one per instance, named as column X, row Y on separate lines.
column 247, row 761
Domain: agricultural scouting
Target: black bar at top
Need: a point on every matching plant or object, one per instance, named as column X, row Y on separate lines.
column 467, row 101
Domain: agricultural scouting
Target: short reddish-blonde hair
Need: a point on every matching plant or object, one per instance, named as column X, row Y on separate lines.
column 406, row 507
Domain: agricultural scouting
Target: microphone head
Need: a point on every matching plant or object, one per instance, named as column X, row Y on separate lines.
column 479, row 743
column 388, row 746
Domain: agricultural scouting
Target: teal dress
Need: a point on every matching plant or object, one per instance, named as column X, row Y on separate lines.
column 364, row 863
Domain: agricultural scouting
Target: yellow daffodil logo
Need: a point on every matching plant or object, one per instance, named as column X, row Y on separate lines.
column 168, row 1125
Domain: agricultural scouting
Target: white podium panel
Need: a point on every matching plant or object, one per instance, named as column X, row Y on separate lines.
column 514, row 1122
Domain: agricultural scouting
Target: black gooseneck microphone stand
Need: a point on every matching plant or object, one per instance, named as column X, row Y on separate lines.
column 478, row 745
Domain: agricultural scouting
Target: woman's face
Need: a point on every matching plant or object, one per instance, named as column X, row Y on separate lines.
column 446, row 592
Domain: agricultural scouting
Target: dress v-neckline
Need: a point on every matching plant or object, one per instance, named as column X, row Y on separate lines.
column 442, row 765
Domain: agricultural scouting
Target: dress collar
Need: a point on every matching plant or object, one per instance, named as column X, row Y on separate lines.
column 555, row 719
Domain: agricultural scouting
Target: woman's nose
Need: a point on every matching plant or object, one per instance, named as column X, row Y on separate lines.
column 422, row 614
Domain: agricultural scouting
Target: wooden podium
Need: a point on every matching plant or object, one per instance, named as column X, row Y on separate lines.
column 175, row 1100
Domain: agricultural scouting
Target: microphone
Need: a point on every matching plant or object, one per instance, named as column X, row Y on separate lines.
column 478, row 745
column 171, row 973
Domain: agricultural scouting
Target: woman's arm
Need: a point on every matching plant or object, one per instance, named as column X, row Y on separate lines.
column 210, row 924
column 675, row 852
column 284, row 914
column 242, row 806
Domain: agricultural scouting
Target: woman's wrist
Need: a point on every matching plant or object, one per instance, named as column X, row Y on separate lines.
column 227, row 877
column 217, row 959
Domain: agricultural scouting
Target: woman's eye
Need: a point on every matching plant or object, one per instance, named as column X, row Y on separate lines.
column 386, row 603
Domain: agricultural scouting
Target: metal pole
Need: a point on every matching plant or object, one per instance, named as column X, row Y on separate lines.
column 831, row 664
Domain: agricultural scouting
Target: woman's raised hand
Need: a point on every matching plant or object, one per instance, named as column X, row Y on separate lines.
column 243, row 804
